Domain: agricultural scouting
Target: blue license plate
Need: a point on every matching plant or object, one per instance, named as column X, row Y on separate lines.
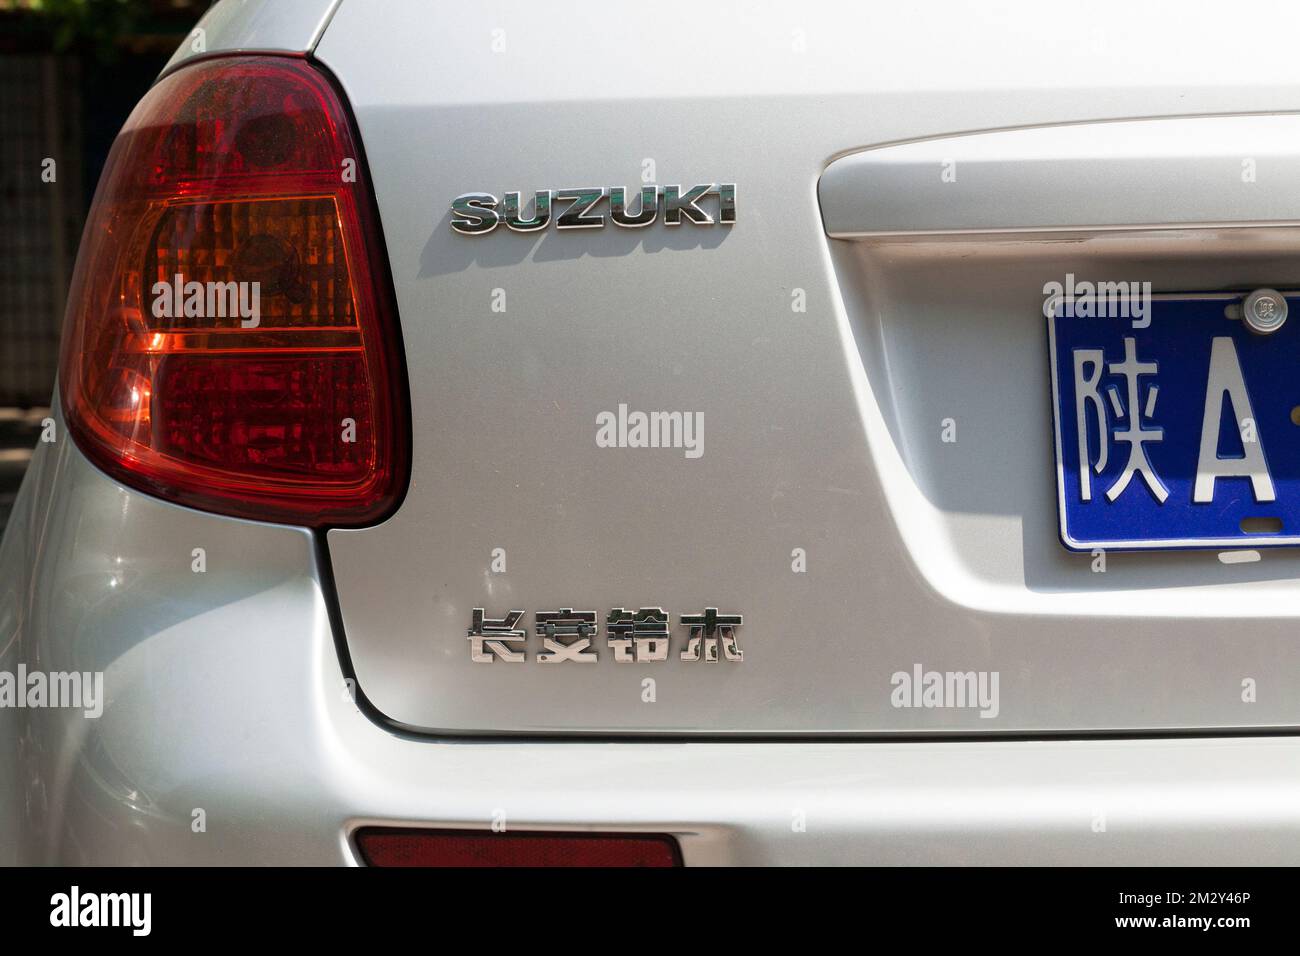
column 1178, row 429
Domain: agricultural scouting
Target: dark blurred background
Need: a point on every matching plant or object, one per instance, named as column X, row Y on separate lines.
column 70, row 73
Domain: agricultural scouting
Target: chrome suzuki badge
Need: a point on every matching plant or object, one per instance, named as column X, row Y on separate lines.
column 590, row 207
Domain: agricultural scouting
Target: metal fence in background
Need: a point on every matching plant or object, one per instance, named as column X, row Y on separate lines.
column 40, row 220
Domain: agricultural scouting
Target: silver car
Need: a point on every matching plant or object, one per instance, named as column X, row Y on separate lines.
column 787, row 433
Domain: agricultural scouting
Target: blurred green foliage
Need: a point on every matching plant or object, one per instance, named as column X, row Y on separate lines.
column 93, row 26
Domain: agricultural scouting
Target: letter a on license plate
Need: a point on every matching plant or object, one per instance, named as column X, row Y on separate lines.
column 1178, row 429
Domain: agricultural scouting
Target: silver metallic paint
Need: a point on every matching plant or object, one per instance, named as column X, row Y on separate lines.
column 823, row 427
column 270, row 26
column 1145, row 174
column 225, row 693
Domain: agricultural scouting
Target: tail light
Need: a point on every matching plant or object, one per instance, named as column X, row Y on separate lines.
column 230, row 341
column 388, row 847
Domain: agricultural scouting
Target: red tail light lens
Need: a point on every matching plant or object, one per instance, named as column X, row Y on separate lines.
column 383, row 847
column 231, row 343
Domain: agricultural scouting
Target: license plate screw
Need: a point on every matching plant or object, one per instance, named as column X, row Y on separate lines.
column 1264, row 311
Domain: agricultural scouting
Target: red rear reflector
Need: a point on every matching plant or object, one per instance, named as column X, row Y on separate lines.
column 231, row 342
column 381, row 847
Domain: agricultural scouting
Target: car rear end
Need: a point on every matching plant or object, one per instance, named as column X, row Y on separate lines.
column 739, row 533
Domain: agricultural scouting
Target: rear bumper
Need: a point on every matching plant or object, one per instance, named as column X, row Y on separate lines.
column 225, row 695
